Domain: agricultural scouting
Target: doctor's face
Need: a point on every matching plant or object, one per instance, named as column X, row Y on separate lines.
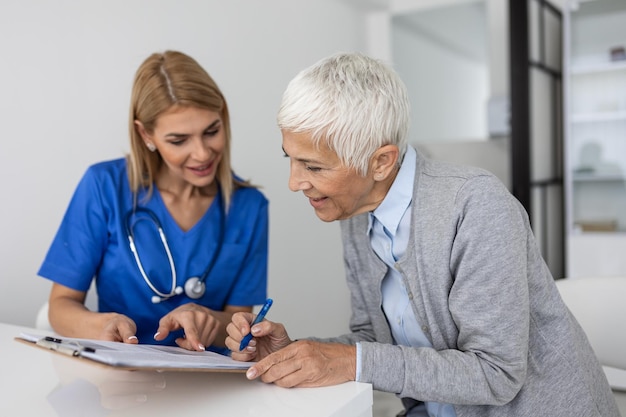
column 191, row 142
column 334, row 191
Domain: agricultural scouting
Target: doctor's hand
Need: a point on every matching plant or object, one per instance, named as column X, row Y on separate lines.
column 268, row 337
column 199, row 324
column 69, row 317
column 307, row 363
column 118, row 328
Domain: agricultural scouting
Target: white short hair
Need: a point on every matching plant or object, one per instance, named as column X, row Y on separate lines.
column 355, row 103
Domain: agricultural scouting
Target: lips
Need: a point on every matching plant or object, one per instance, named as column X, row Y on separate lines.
column 202, row 170
column 317, row 202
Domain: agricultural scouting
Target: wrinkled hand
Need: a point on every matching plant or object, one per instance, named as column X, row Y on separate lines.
column 307, row 364
column 268, row 337
column 199, row 325
column 119, row 328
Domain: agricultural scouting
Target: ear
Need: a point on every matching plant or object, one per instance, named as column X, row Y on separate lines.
column 384, row 161
column 142, row 132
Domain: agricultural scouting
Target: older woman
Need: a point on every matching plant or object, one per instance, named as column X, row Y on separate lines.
column 453, row 308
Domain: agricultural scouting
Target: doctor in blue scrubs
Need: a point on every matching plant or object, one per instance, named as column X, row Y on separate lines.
column 175, row 241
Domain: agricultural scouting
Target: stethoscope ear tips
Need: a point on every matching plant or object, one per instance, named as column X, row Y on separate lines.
column 156, row 299
column 178, row 290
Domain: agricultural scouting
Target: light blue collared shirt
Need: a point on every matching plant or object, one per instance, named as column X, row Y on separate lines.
column 389, row 228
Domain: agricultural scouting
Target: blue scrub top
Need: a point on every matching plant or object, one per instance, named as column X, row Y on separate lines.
column 92, row 242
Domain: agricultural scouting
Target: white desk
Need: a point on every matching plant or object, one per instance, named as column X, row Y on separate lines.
column 34, row 382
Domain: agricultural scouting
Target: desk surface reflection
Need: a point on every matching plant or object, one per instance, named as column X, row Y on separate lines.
column 36, row 382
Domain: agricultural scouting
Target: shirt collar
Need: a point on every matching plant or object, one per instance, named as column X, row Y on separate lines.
column 398, row 198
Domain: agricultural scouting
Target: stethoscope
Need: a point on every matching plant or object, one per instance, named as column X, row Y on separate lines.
column 194, row 287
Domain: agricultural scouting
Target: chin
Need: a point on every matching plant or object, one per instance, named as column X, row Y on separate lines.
column 326, row 217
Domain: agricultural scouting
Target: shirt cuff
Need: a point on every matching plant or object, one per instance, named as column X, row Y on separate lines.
column 358, row 362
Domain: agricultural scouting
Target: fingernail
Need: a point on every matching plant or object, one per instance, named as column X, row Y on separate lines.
column 201, row 346
column 156, row 334
column 251, row 373
column 141, row 398
column 254, row 330
column 135, row 337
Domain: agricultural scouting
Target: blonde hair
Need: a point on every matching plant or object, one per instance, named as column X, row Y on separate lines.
column 171, row 79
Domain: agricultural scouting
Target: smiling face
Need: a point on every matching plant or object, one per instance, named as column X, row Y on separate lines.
column 191, row 142
column 335, row 191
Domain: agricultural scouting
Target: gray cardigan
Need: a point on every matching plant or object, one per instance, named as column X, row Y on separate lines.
column 504, row 343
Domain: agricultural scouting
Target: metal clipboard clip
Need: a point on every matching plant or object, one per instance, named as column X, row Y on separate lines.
column 67, row 348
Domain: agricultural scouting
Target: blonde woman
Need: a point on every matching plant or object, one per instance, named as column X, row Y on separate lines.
column 175, row 241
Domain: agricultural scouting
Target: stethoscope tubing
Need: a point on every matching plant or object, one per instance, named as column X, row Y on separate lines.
column 197, row 289
column 133, row 249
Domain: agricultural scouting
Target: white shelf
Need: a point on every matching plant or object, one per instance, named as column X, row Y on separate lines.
column 595, row 103
column 614, row 116
column 598, row 68
column 616, row 236
column 597, row 177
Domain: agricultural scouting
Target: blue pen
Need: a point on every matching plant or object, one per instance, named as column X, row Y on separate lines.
column 259, row 318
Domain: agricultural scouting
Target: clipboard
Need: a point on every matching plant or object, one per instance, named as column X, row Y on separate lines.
column 134, row 357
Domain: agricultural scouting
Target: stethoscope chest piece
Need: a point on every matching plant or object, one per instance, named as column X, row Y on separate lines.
column 194, row 288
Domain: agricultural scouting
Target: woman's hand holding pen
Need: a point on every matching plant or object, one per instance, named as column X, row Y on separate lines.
column 268, row 337
column 286, row 363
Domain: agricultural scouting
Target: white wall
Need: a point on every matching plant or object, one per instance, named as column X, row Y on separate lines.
column 441, row 54
column 65, row 79
column 463, row 146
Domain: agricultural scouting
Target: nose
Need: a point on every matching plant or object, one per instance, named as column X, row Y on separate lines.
column 201, row 151
column 297, row 180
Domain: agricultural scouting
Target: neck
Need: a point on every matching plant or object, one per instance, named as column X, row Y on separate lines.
column 379, row 191
column 182, row 190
